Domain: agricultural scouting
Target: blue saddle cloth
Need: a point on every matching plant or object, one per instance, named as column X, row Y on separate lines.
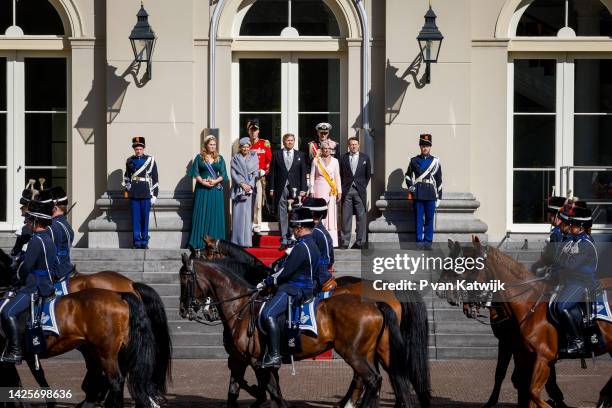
column 47, row 314
column 600, row 307
column 306, row 314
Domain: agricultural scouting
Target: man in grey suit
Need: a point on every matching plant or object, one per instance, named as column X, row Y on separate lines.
column 355, row 173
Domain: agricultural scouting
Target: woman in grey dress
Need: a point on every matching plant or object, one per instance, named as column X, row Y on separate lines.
column 244, row 170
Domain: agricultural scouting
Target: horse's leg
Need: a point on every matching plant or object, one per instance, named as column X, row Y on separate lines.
column 263, row 381
column 353, row 394
column 237, row 370
column 605, row 395
column 95, row 384
column 539, row 376
column 504, row 355
column 41, row 380
column 275, row 390
column 371, row 381
column 553, row 390
column 116, row 382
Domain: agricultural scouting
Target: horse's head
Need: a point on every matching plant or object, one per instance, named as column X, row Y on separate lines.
column 195, row 293
column 211, row 248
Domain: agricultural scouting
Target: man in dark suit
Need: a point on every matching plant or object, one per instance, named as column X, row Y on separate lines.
column 287, row 180
column 355, row 173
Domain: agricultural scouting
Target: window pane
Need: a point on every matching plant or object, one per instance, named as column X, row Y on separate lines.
column 2, row 84
column 260, row 85
column 531, row 188
column 3, row 184
column 53, row 177
column 595, row 187
column 2, row 141
column 590, row 18
column 319, row 85
column 592, row 140
column 269, row 128
column 535, row 85
column 534, row 141
column 593, row 86
column 313, row 17
column 45, row 84
column 6, row 15
column 38, row 17
column 542, row 18
column 307, row 132
column 45, row 139
column 266, row 17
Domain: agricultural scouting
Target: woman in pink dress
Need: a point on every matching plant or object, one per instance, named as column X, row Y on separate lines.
column 325, row 179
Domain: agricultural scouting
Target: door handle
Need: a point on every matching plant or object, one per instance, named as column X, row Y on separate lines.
column 19, row 168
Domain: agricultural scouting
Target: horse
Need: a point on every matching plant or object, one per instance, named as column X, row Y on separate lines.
column 502, row 330
column 402, row 303
column 114, row 331
column 365, row 334
column 537, row 347
column 114, row 281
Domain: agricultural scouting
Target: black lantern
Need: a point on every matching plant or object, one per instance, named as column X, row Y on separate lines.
column 430, row 41
column 143, row 39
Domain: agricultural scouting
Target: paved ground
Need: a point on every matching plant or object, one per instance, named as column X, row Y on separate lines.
column 456, row 383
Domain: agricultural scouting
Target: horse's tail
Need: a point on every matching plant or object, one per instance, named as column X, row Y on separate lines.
column 415, row 332
column 137, row 358
column 397, row 370
column 154, row 308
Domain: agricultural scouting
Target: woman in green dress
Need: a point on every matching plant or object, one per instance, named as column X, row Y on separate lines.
column 208, row 208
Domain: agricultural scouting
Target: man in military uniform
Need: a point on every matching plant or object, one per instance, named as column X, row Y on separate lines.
column 424, row 181
column 553, row 207
column 24, row 233
column 318, row 207
column 314, row 147
column 295, row 280
column 578, row 271
column 35, row 272
column 141, row 183
column 61, row 230
column 264, row 154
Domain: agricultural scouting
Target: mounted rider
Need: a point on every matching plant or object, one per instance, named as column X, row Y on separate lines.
column 295, row 279
column 554, row 205
column 24, row 233
column 61, row 230
column 577, row 262
column 324, row 242
column 36, row 273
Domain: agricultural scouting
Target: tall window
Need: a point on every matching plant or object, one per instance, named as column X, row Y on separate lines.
column 562, row 113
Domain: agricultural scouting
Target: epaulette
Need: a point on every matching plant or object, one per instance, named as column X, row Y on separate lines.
column 267, row 143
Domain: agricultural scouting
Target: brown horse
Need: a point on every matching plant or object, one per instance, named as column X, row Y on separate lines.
column 403, row 304
column 365, row 334
column 154, row 309
column 538, row 347
column 115, row 333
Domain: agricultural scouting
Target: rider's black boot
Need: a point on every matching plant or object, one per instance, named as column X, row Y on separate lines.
column 575, row 344
column 272, row 359
column 12, row 350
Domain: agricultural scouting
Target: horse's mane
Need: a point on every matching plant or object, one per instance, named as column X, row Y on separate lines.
column 236, row 251
column 238, row 271
column 517, row 269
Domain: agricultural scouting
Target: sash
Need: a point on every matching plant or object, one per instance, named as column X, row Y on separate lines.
column 433, row 167
column 213, row 172
column 314, row 150
column 143, row 167
column 332, row 183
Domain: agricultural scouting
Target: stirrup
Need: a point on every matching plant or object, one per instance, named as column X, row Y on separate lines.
column 13, row 358
column 271, row 361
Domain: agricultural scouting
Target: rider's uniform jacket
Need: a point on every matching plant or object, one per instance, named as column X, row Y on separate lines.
column 578, row 261
column 141, row 184
column 299, row 268
column 551, row 249
column 429, row 186
column 63, row 237
column 39, row 264
column 326, row 248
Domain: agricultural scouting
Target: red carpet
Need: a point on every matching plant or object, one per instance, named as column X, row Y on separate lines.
column 265, row 247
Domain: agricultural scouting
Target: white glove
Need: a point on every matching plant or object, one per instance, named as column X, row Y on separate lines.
column 288, row 250
column 412, row 189
column 437, row 203
column 128, row 186
column 262, row 172
column 260, row 285
column 153, row 200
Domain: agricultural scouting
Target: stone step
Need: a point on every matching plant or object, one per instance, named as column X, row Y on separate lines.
column 196, row 339
column 182, row 326
column 466, row 326
column 464, row 340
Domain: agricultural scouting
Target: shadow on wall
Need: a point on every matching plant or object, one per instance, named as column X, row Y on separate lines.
column 397, row 181
column 397, row 85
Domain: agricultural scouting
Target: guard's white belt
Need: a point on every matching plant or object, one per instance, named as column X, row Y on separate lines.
column 428, row 181
column 139, row 179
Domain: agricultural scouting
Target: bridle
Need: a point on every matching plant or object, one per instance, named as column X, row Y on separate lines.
column 210, row 312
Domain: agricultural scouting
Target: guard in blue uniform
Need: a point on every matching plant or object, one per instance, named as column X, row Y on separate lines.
column 578, row 268
column 36, row 272
column 141, row 182
column 61, row 231
column 24, row 233
column 295, row 279
column 424, row 181
column 547, row 257
column 318, row 207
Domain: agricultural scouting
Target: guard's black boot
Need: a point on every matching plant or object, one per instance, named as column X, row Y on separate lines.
column 272, row 359
column 575, row 344
column 12, row 351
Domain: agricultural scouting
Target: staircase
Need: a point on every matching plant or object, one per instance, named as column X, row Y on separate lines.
column 452, row 334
